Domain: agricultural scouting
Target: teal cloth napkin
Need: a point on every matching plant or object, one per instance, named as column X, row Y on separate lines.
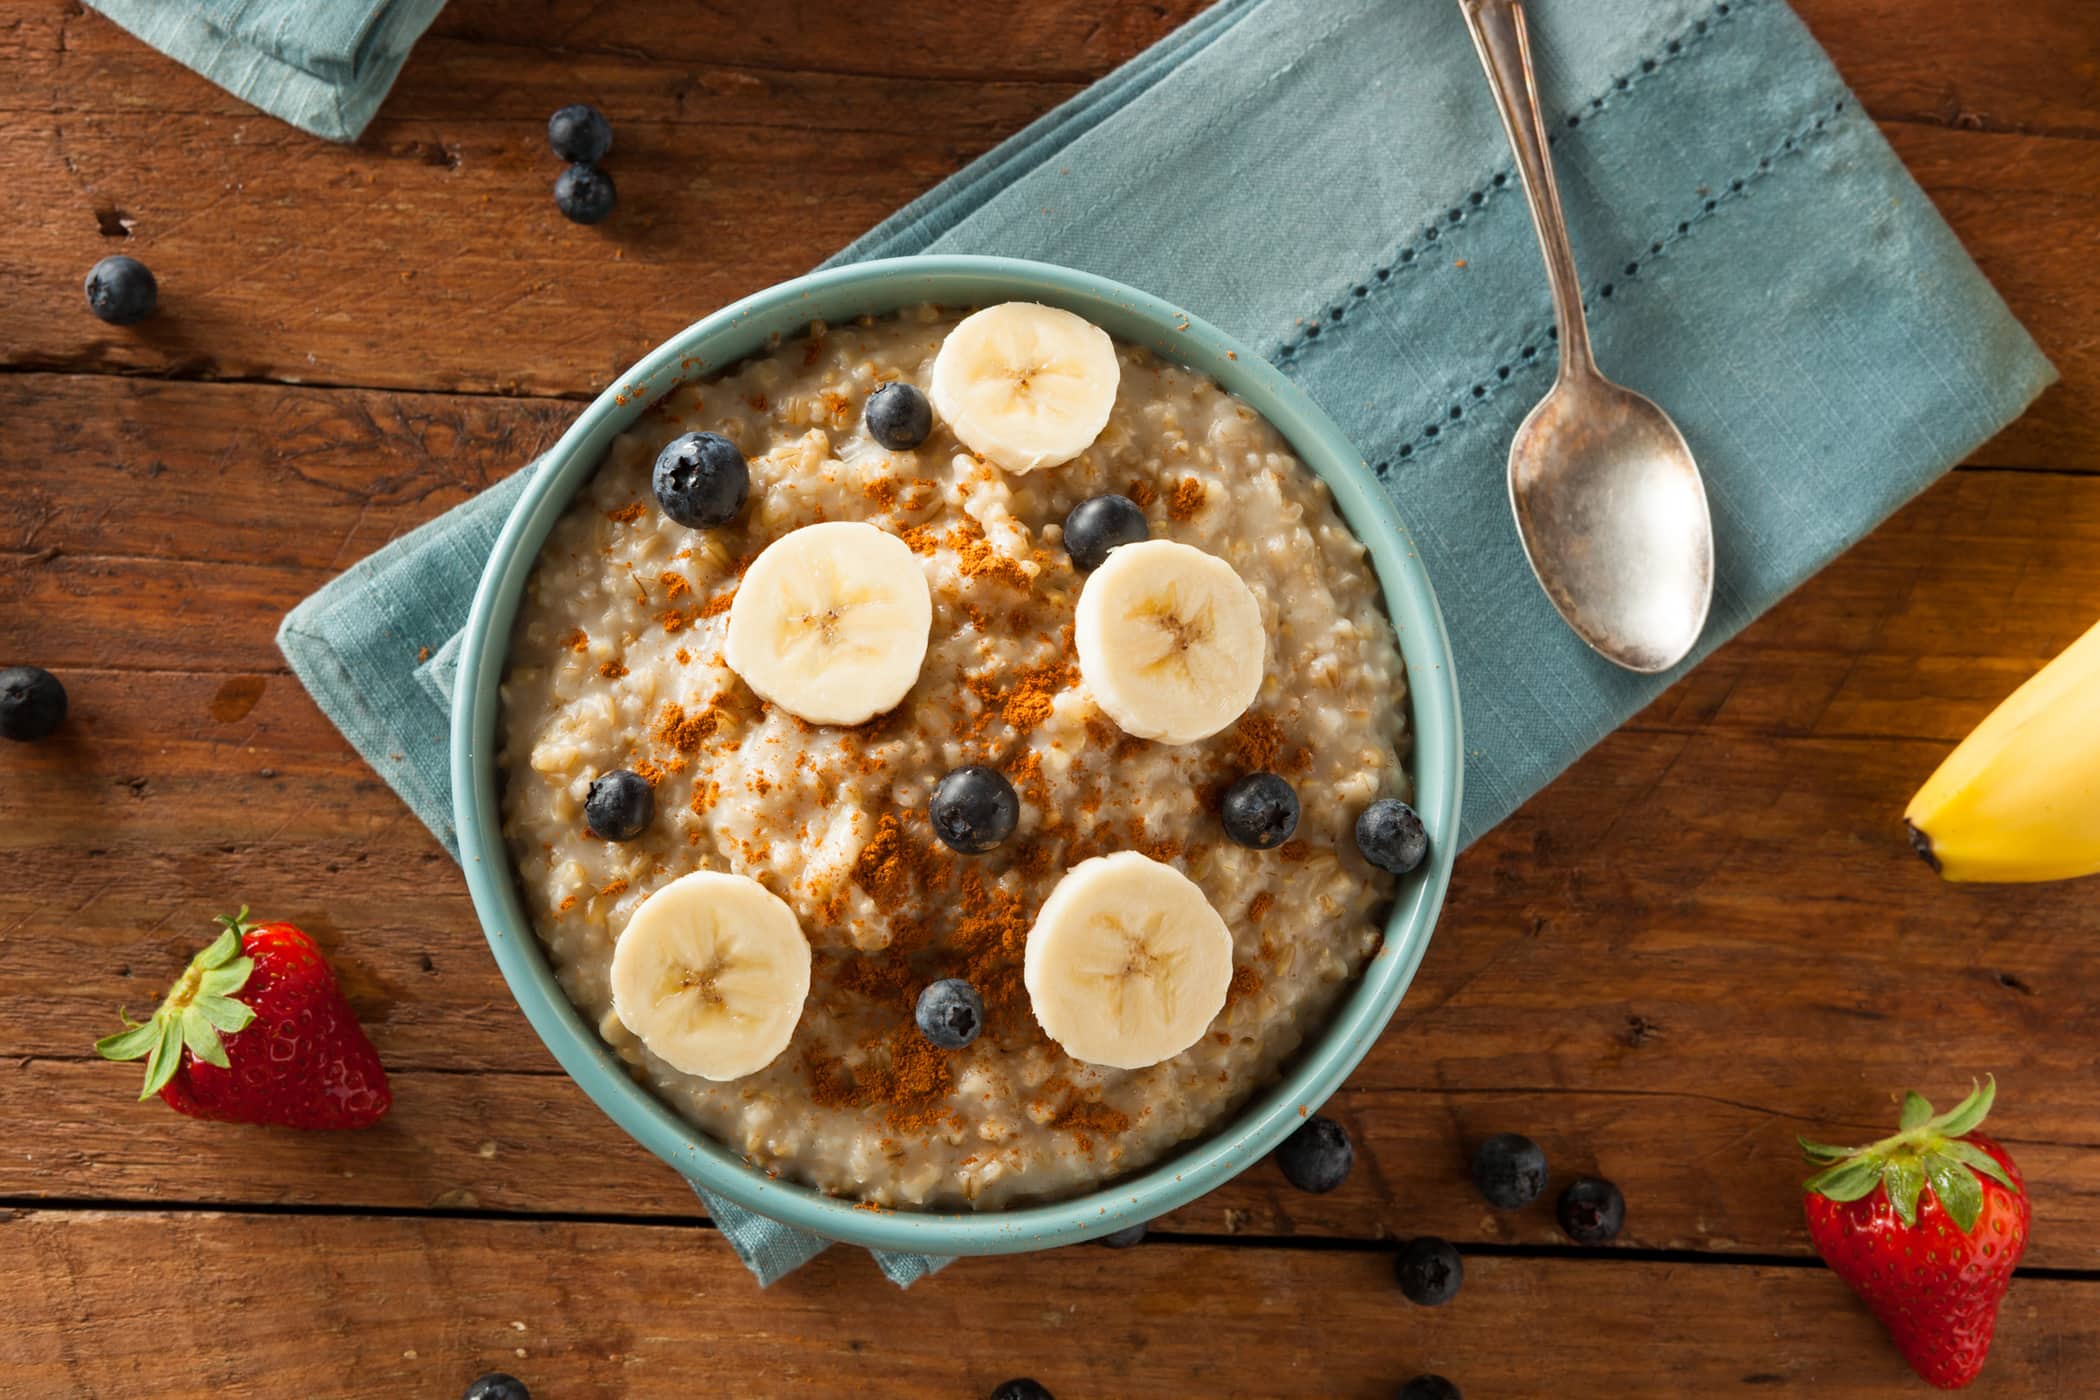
column 322, row 65
column 1326, row 179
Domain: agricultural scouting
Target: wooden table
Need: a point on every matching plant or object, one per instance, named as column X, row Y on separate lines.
column 1707, row 936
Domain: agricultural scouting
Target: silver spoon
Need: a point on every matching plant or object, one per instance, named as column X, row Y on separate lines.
column 1608, row 499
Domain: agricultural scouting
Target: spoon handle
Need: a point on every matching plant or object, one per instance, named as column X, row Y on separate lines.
column 1498, row 32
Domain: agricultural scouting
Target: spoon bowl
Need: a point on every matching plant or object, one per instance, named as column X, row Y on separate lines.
column 1613, row 516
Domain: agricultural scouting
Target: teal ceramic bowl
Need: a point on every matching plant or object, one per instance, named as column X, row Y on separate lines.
column 872, row 288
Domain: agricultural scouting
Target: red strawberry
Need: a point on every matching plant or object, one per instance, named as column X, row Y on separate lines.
column 286, row 1050
column 1926, row 1227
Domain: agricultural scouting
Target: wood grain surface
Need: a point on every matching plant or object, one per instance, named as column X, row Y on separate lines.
column 1705, row 937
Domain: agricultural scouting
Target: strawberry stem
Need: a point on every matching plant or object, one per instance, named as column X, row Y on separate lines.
column 1925, row 1150
column 196, row 1010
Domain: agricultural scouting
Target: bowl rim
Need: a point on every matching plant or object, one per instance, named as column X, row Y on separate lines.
column 735, row 332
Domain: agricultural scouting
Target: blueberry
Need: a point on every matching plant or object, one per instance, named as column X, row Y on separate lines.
column 1316, row 1157
column 32, row 703
column 497, row 1386
column 974, row 809
column 121, row 291
column 1429, row 1388
column 1591, row 1210
column 1260, row 811
column 701, row 480
column 1430, row 1271
column 950, row 1013
column 1022, row 1389
column 1391, row 836
column 1125, row 1237
column 899, row 417
column 619, row 806
column 580, row 133
column 1510, row 1170
column 584, row 194
column 1100, row 523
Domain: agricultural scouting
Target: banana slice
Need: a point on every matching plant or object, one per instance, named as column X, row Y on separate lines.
column 1127, row 963
column 1170, row 641
column 1026, row 386
column 711, row 973
column 830, row 622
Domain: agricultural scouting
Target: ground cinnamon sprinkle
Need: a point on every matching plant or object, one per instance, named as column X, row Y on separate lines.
column 1025, row 702
column 682, row 656
column 719, row 604
column 1260, row 907
column 1245, row 983
column 1144, row 493
column 881, row 492
column 628, row 514
column 615, row 887
column 1294, row 851
column 1083, row 1118
column 1186, row 499
column 612, row 670
column 920, row 539
column 686, row 733
column 981, row 559
column 422, row 655
column 568, row 902
column 1256, row 742
column 676, row 620
column 887, row 864
column 674, row 584
column 574, row 640
column 704, row 797
column 903, row 1071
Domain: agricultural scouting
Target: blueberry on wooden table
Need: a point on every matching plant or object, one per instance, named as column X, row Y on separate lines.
column 584, row 194
column 121, row 291
column 1100, row 523
column 1429, row 1388
column 496, row 1385
column 1391, row 836
column 700, row 480
column 1125, row 1237
column 1259, row 811
column 619, row 806
column 950, row 1013
column 1316, row 1157
column 1591, row 1210
column 579, row 133
column 974, row 809
column 898, row 416
column 32, row 703
column 1022, row 1389
column 1429, row 1271
column 1510, row 1170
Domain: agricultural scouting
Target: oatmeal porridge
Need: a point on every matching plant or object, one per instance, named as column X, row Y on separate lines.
column 898, row 761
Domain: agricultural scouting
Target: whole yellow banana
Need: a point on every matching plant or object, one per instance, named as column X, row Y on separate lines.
column 2019, row 799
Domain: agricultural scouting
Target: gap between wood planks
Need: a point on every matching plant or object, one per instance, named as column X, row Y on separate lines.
column 1305, row 1244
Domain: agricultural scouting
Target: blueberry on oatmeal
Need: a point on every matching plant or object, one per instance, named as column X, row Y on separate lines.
column 620, row 805
column 701, row 480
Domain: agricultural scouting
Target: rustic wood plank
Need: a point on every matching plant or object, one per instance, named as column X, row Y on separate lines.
column 194, row 1304
column 727, row 135
column 1629, row 969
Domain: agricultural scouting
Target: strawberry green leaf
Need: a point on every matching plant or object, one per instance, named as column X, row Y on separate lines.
column 1847, row 1181
column 1960, row 1193
column 203, row 1041
column 1823, row 1151
column 1916, row 1109
column 1904, row 1178
column 1966, row 1115
column 225, row 980
column 221, row 950
column 130, row 1043
column 166, row 1057
column 1981, row 1160
column 224, row 1012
